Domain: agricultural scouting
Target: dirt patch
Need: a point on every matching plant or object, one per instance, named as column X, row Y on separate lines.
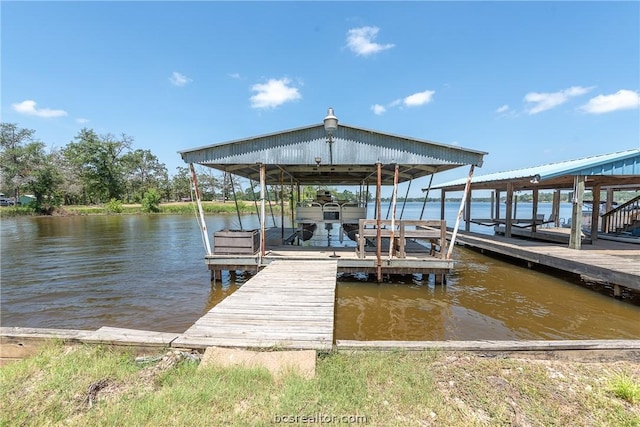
column 527, row 391
column 302, row 362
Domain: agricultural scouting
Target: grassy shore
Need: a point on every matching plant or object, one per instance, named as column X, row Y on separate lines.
column 175, row 208
column 92, row 385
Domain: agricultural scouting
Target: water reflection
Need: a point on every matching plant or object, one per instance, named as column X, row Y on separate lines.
column 484, row 298
column 147, row 272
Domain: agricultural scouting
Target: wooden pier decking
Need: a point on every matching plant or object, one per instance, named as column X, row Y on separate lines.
column 288, row 304
column 615, row 263
column 415, row 257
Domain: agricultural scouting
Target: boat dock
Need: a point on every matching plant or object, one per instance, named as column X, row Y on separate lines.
column 419, row 247
column 288, row 304
column 615, row 263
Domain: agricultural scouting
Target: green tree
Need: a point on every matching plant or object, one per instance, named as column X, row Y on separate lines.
column 142, row 171
column 181, row 183
column 17, row 151
column 96, row 161
column 45, row 183
column 26, row 167
column 151, row 201
column 209, row 185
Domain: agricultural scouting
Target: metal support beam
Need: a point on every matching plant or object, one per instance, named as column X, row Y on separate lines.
column 467, row 190
column 394, row 198
column 205, row 233
column 262, row 214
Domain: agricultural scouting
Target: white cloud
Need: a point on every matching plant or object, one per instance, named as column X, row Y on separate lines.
column 234, row 75
column 621, row 100
column 503, row 109
column 82, row 121
column 419, row 98
column 378, row 109
column 546, row 101
column 29, row 107
column 178, row 79
column 360, row 41
column 274, row 93
column 415, row 100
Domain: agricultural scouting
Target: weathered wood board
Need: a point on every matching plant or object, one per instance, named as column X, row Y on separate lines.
column 289, row 304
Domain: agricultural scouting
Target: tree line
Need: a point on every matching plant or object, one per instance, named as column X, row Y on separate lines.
column 92, row 169
column 99, row 169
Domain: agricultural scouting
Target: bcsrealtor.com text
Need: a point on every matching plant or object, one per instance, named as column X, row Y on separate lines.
column 320, row 419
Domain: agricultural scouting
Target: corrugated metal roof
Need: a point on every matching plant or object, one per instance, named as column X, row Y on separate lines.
column 622, row 163
column 306, row 155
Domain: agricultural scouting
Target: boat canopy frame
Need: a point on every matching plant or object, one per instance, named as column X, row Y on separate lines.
column 309, row 156
column 342, row 156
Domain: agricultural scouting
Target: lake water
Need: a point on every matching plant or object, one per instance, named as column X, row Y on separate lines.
column 148, row 272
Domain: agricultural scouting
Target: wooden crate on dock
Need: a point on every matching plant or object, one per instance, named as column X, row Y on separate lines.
column 236, row 242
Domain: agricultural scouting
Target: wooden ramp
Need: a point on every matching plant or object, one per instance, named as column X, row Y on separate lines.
column 289, row 304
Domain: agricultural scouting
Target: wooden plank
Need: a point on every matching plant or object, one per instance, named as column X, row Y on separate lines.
column 601, row 265
column 63, row 334
column 524, row 345
column 122, row 336
column 283, row 305
column 200, row 342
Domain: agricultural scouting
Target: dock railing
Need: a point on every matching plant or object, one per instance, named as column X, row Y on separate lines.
column 623, row 218
column 435, row 231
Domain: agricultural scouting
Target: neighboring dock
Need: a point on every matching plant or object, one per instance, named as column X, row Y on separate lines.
column 289, row 304
column 615, row 263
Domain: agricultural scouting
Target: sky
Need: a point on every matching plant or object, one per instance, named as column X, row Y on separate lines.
column 530, row 83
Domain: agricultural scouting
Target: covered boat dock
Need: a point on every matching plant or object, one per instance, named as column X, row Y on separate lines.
column 607, row 231
column 328, row 154
column 608, row 173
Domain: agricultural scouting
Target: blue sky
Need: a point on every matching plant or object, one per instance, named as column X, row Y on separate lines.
column 529, row 82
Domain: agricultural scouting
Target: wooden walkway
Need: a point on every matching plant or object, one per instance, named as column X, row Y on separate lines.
column 616, row 264
column 289, row 304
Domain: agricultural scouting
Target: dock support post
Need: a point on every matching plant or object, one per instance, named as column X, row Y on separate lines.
column 203, row 224
column 555, row 208
column 534, row 211
column 235, row 200
column 617, row 291
column 595, row 213
column 467, row 190
column 467, row 213
column 379, row 223
column 493, row 201
column 216, row 276
column 393, row 213
column 575, row 238
column 509, row 210
column 282, row 204
column 263, row 173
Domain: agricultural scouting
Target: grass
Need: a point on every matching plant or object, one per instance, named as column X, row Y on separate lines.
column 625, row 387
column 175, row 208
column 92, row 385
